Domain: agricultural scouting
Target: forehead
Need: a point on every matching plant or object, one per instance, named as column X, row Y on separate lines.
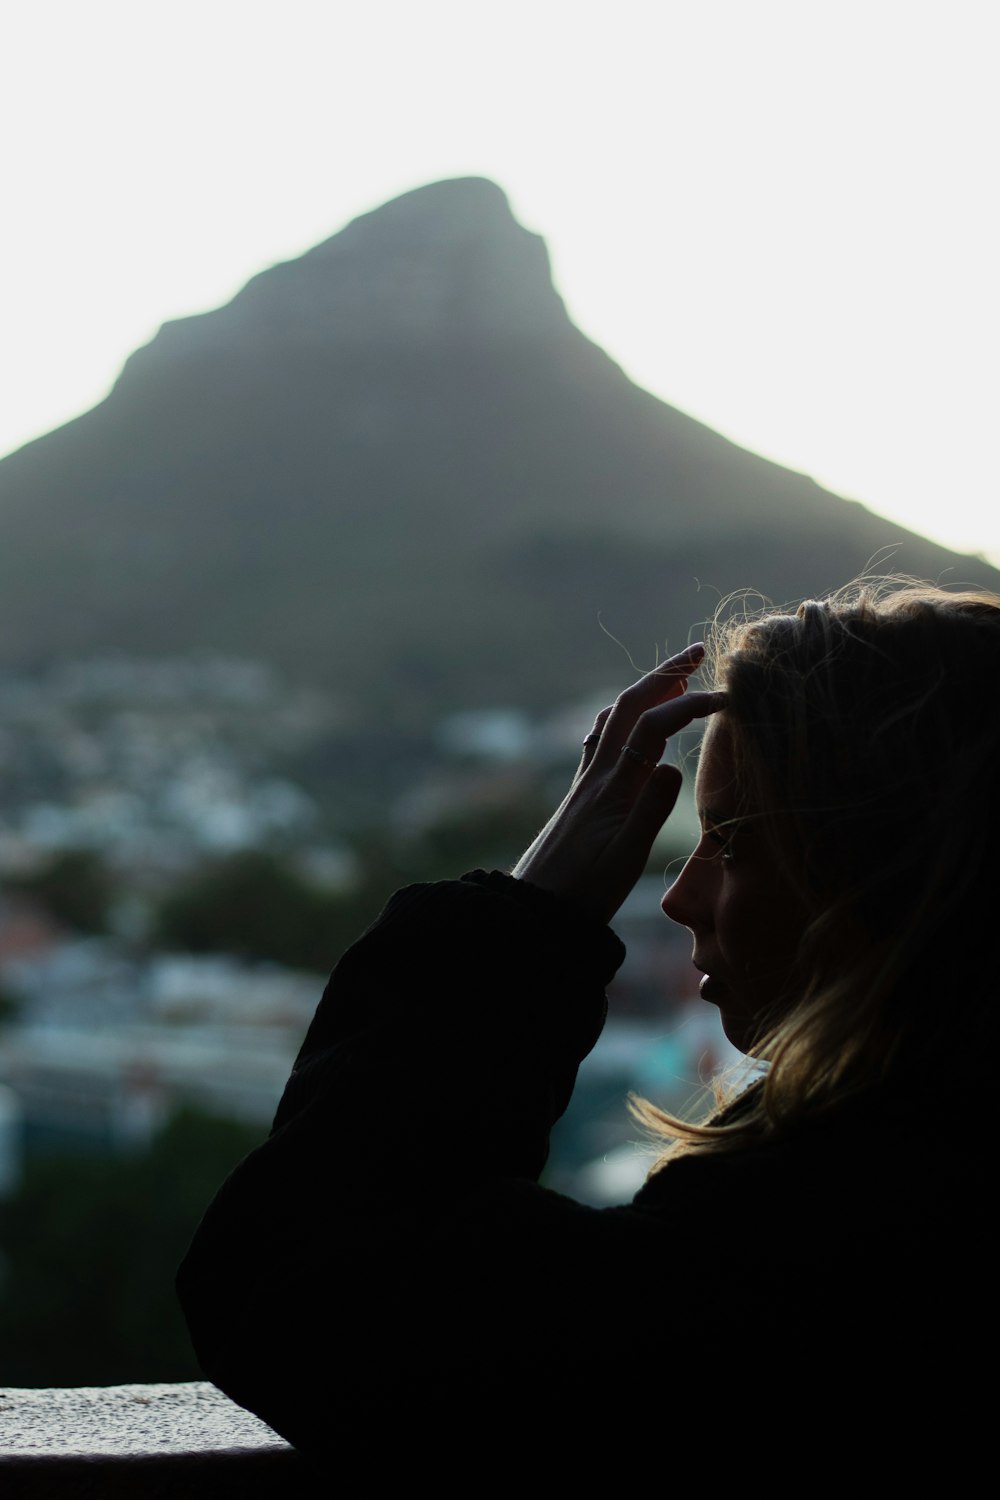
column 715, row 782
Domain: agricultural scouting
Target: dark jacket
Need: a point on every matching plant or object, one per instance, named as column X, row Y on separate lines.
column 385, row 1278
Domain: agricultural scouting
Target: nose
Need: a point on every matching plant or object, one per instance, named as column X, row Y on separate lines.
column 688, row 899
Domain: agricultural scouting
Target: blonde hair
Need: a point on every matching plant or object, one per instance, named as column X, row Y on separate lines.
column 865, row 731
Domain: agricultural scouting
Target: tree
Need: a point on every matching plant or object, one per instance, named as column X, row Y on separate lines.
column 92, row 1245
column 75, row 887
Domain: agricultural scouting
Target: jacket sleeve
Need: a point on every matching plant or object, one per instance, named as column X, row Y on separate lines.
column 456, row 1024
column 392, row 1225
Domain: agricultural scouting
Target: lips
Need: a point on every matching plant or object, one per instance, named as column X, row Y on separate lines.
column 710, row 988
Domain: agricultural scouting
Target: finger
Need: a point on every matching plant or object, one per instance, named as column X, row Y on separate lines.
column 648, row 740
column 666, row 682
column 592, row 740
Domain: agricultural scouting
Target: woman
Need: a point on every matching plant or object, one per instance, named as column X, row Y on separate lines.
column 385, row 1281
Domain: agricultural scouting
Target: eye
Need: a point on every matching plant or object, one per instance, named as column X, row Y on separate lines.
column 724, row 834
column 724, row 842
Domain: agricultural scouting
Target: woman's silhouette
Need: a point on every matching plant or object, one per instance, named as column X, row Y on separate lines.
column 806, row 1272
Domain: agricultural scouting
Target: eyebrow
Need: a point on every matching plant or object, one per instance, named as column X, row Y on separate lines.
column 714, row 816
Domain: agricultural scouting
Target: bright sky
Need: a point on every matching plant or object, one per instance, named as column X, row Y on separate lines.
column 778, row 215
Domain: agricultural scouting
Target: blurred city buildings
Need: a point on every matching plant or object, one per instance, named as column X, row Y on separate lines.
column 156, row 767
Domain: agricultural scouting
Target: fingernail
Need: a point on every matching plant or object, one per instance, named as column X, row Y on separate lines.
column 690, row 653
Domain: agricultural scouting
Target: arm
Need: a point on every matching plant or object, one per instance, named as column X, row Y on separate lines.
column 464, row 1013
column 443, row 1050
column 393, row 1221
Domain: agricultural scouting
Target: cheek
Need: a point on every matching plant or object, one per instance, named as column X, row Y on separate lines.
column 745, row 943
column 758, row 933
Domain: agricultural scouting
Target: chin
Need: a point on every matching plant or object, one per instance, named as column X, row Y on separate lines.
column 740, row 1030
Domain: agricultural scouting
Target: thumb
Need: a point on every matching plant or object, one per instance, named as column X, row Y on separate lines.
column 632, row 847
column 654, row 805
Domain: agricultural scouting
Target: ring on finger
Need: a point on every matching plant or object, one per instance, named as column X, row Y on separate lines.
column 639, row 759
column 592, row 738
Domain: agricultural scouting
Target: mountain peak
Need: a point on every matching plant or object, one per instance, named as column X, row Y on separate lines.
column 443, row 264
column 454, row 206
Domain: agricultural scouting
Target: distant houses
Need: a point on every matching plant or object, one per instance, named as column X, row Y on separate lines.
column 155, row 769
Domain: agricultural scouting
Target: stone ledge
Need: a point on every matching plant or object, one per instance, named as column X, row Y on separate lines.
column 156, row 1442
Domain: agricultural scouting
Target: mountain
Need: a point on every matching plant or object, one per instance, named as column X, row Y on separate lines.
column 394, row 467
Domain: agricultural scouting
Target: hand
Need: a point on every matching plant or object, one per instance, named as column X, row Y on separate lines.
column 597, row 843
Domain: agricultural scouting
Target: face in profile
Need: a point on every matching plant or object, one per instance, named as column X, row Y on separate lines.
column 743, row 913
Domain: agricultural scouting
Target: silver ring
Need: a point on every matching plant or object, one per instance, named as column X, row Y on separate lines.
column 592, row 738
column 641, row 760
